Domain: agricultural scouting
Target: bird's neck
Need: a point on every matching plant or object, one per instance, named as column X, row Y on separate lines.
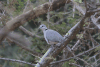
column 45, row 30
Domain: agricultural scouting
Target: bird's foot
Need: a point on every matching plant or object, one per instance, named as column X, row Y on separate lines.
column 58, row 44
column 53, row 45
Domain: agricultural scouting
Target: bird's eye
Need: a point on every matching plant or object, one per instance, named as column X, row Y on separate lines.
column 42, row 26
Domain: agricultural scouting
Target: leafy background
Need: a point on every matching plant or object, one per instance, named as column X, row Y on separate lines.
column 60, row 20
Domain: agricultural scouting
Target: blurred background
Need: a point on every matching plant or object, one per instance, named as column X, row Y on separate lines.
column 61, row 20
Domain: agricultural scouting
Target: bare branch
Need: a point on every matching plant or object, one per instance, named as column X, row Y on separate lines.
column 25, row 48
column 76, row 55
column 31, row 14
column 94, row 20
column 28, row 32
column 73, row 10
column 78, row 7
column 53, row 52
column 28, row 6
column 83, row 61
column 80, row 58
column 75, row 64
column 19, row 38
column 98, row 65
column 95, row 63
column 86, row 5
column 75, row 45
column 19, row 61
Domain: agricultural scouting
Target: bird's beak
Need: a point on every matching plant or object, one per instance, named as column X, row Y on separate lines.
column 39, row 28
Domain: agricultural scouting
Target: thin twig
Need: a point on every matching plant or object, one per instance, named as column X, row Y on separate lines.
column 19, row 61
column 78, row 7
column 27, row 49
column 48, row 14
column 86, row 5
column 75, row 55
column 94, row 20
column 28, row 32
column 80, row 58
column 76, row 64
column 75, row 45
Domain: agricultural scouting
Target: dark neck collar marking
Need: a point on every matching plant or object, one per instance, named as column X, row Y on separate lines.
column 46, row 29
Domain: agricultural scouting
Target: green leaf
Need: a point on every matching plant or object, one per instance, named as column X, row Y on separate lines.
column 79, row 1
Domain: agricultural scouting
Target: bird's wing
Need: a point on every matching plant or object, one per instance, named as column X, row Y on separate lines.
column 53, row 36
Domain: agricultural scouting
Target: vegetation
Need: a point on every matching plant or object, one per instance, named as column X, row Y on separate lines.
column 28, row 44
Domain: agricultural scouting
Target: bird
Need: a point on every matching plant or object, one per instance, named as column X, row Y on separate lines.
column 51, row 36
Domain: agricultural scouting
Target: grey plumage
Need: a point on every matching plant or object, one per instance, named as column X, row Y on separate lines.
column 51, row 36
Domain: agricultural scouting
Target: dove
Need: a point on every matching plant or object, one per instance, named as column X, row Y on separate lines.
column 51, row 36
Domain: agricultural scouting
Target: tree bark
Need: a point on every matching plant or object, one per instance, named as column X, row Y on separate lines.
column 31, row 14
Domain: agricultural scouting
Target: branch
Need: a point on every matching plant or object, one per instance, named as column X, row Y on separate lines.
column 76, row 55
column 31, row 14
column 98, row 45
column 19, row 61
column 25, row 48
column 53, row 52
column 98, row 65
column 79, row 58
column 83, row 61
column 19, row 38
column 28, row 32
column 86, row 5
column 94, row 20
column 74, row 47
column 21, row 41
column 75, row 64
column 28, row 6
column 78, row 7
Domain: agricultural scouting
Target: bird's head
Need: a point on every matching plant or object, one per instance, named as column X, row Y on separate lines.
column 43, row 27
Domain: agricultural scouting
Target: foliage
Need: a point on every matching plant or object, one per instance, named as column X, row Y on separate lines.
column 80, row 1
column 61, row 20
